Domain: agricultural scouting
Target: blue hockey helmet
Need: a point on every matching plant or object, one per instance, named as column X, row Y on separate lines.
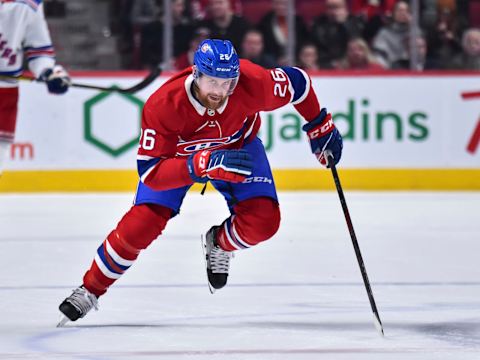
column 217, row 58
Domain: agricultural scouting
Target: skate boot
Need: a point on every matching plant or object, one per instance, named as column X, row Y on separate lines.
column 217, row 260
column 77, row 305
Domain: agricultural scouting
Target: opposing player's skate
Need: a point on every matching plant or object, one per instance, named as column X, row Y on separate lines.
column 77, row 305
column 217, row 260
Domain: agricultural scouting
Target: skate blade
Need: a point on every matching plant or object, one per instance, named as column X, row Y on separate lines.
column 63, row 321
column 204, row 251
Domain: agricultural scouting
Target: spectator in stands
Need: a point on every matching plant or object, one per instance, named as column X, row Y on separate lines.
column 424, row 61
column 444, row 38
column 274, row 28
column 358, row 57
column 146, row 21
column 185, row 59
column 390, row 44
column 332, row 31
column 122, row 23
column 377, row 13
column 252, row 49
column 182, row 28
column 308, row 57
column 224, row 24
column 469, row 59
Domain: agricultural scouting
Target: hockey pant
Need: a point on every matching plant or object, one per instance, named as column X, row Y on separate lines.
column 8, row 113
column 8, row 120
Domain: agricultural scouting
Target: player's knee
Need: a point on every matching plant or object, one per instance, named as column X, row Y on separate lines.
column 141, row 225
column 261, row 219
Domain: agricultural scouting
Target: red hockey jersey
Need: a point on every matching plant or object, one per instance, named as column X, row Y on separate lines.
column 175, row 125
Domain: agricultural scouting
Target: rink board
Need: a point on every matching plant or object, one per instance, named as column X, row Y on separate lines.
column 352, row 179
column 400, row 132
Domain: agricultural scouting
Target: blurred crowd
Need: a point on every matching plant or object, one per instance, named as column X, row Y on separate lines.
column 330, row 34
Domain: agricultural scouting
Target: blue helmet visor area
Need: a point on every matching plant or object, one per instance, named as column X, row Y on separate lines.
column 197, row 74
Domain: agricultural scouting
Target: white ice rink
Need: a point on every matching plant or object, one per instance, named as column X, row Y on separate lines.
column 298, row 296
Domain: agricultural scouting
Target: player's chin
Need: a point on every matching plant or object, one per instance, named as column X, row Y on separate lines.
column 215, row 102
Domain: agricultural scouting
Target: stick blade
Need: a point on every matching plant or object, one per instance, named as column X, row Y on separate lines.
column 144, row 83
column 378, row 324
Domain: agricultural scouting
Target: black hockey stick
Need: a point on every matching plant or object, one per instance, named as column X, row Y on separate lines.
column 130, row 90
column 363, row 270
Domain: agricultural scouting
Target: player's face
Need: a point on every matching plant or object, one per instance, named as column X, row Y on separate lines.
column 212, row 91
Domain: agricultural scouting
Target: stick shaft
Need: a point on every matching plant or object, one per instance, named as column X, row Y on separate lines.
column 361, row 264
column 137, row 87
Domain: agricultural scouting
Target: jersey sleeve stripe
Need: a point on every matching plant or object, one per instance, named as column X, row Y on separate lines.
column 34, row 53
column 307, row 88
column 13, row 72
column 300, row 83
column 35, row 48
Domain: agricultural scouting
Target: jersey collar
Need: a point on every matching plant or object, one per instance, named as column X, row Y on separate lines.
column 195, row 103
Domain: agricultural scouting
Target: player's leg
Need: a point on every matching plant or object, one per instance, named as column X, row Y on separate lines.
column 255, row 216
column 8, row 120
column 137, row 229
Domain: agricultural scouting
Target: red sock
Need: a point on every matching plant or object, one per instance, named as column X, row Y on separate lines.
column 138, row 228
column 254, row 220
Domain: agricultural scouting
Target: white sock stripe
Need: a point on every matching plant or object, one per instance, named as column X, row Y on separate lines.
column 117, row 258
column 238, row 237
column 104, row 269
column 230, row 241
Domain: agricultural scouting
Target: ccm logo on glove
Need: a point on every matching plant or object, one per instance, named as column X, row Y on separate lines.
column 323, row 129
column 323, row 135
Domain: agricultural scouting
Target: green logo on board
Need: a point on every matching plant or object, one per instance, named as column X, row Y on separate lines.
column 112, row 136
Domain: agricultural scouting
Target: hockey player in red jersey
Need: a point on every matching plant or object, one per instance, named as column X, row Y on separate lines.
column 24, row 35
column 200, row 126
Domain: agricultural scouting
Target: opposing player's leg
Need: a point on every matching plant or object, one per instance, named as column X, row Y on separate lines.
column 255, row 217
column 142, row 224
column 8, row 121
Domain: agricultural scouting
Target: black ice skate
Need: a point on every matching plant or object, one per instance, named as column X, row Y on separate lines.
column 77, row 305
column 217, row 260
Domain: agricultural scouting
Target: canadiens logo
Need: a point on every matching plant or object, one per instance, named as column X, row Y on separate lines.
column 185, row 148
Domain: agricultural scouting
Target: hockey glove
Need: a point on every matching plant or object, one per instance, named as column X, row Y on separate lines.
column 323, row 135
column 226, row 165
column 57, row 79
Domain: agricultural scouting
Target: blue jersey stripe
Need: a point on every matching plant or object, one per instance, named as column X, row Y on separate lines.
column 144, row 165
column 298, row 81
column 47, row 47
column 12, row 73
column 30, row 58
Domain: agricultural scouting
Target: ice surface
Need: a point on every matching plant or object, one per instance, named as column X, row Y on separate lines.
column 298, row 296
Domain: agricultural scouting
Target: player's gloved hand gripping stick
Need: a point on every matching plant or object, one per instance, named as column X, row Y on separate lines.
column 57, row 79
column 226, row 165
column 323, row 135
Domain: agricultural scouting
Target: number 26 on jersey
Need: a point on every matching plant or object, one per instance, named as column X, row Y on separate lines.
column 148, row 139
column 281, row 83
